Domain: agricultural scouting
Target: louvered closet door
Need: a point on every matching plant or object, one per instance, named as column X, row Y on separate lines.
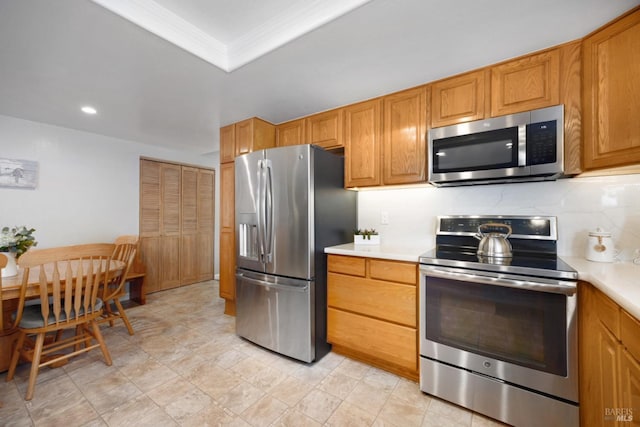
column 150, row 222
column 189, row 220
column 170, row 180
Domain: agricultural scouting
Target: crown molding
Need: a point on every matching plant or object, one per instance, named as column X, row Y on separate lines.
column 273, row 33
column 285, row 27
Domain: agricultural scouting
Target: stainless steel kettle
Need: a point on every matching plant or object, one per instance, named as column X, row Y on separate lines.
column 494, row 240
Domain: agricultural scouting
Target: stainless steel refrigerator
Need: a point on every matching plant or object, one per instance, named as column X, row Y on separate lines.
column 290, row 205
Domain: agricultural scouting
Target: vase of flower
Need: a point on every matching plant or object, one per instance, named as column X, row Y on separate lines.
column 13, row 243
column 11, row 269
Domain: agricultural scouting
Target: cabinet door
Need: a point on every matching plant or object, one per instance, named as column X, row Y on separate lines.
column 458, row 99
column 325, row 129
column 630, row 387
column 206, row 224
column 244, row 137
column 290, row 133
column 227, row 144
column 599, row 356
column 363, row 144
column 227, row 197
column 525, row 83
column 611, row 62
column 404, row 137
column 227, row 232
column 227, row 265
column 170, row 187
column 189, row 226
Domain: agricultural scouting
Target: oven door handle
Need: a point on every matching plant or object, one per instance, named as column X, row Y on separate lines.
column 563, row 287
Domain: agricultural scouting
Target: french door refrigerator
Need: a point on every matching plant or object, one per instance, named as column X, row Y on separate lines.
column 290, row 204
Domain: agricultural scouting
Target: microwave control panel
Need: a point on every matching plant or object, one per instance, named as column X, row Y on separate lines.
column 542, row 143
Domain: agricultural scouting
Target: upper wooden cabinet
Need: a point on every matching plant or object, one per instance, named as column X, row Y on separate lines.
column 227, row 143
column 525, row 83
column 325, row 129
column 290, row 133
column 362, row 147
column 404, row 136
column 254, row 134
column 459, row 99
column 611, row 97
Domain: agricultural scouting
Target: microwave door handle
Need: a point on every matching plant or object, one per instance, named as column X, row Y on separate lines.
column 552, row 286
column 522, row 145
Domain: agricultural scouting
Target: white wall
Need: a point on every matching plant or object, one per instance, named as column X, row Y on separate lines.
column 580, row 204
column 88, row 189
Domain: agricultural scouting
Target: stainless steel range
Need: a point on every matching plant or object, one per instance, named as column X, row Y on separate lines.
column 498, row 332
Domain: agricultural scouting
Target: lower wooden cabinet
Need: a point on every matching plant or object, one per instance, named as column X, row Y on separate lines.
column 609, row 361
column 372, row 312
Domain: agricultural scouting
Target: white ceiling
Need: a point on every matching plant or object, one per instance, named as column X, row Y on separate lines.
column 286, row 58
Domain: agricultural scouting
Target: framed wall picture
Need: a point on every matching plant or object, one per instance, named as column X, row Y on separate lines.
column 15, row 173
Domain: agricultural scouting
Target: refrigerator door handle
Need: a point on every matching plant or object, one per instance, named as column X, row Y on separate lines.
column 258, row 282
column 268, row 212
column 261, row 209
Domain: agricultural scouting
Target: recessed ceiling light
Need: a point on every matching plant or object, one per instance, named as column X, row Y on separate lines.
column 89, row 110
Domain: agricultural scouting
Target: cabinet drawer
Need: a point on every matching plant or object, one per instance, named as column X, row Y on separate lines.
column 382, row 300
column 346, row 265
column 391, row 343
column 393, row 271
column 630, row 334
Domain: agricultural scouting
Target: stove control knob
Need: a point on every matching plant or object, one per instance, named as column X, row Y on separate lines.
column 487, row 364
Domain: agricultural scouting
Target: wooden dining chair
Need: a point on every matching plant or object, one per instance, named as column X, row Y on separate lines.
column 125, row 251
column 68, row 280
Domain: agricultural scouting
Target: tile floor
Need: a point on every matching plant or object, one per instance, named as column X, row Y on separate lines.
column 185, row 366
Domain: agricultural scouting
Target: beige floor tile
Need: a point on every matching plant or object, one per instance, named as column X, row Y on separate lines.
column 400, row 413
column 139, row 412
column 318, row 405
column 353, row 368
column 240, row 397
column 264, row 411
column 291, row 390
column 338, row 384
column 295, row 418
column 442, row 413
column 180, row 399
column 109, row 391
column 148, row 374
column 368, row 397
column 348, row 414
column 59, row 402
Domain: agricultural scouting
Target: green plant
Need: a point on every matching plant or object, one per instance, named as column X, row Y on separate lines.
column 17, row 240
column 366, row 233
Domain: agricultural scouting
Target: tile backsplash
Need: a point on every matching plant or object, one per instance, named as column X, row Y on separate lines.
column 581, row 204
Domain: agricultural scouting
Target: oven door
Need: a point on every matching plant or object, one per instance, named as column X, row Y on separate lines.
column 517, row 329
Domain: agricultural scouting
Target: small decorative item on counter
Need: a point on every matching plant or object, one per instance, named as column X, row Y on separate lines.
column 13, row 243
column 366, row 237
column 600, row 246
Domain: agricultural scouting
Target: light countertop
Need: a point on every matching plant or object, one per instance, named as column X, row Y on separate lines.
column 620, row 281
column 383, row 251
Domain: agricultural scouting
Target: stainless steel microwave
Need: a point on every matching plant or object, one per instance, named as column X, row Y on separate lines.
column 518, row 147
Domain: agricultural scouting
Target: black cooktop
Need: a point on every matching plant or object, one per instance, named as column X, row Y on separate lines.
column 550, row 266
column 533, row 240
